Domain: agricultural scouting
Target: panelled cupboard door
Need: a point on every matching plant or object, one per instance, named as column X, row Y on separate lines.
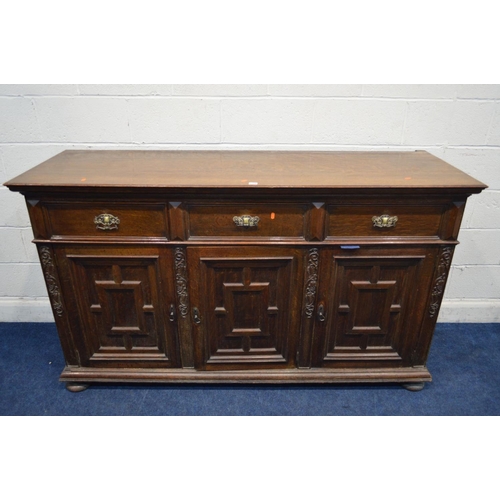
column 371, row 303
column 123, row 302
column 245, row 305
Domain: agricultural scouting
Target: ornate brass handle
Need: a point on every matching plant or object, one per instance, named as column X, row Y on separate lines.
column 384, row 220
column 106, row 222
column 246, row 220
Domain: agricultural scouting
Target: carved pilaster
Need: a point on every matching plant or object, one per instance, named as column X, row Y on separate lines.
column 181, row 281
column 311, row 281
column 439, row 284
column 49, row 272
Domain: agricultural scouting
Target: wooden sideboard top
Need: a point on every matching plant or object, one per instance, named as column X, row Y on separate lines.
column 244, row 169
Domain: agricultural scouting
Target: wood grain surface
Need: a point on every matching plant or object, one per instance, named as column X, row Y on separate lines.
column 248, row 169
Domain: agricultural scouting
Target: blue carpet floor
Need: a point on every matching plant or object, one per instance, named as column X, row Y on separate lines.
column 464, row 362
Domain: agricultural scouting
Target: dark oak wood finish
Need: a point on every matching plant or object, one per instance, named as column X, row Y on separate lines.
column 271, row 169
column 355, row 220
column 249, row 300
column 281, row 220
column 151, row 279
column 75, row 219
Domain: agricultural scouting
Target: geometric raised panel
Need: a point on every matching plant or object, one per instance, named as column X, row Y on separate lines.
column 372, row 295
column 120, row 303
column 372, row 307
column 245, row 309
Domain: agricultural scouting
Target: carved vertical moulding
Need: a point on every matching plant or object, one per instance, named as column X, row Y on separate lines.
column 50, row 279
column 311, row 281
column 439, row 284
column 181, row 281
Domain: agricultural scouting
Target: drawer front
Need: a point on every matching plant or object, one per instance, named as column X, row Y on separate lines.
column 246, row 220
column 107, row 220
column 384, row 220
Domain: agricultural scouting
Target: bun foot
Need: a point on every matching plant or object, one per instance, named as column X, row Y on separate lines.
column 413, row 386
column 75, row 387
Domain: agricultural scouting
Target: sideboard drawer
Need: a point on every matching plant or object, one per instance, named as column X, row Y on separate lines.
column 106, row 220
column 246, row 220
column 384, row 220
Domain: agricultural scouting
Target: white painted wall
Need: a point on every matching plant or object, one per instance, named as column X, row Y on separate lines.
column 458, row 123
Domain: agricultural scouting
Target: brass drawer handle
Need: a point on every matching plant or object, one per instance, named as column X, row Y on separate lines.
column 246, row 220
column 384, row 220
column 106, row 222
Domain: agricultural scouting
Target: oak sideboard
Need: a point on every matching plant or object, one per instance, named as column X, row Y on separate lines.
column 245, row 266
